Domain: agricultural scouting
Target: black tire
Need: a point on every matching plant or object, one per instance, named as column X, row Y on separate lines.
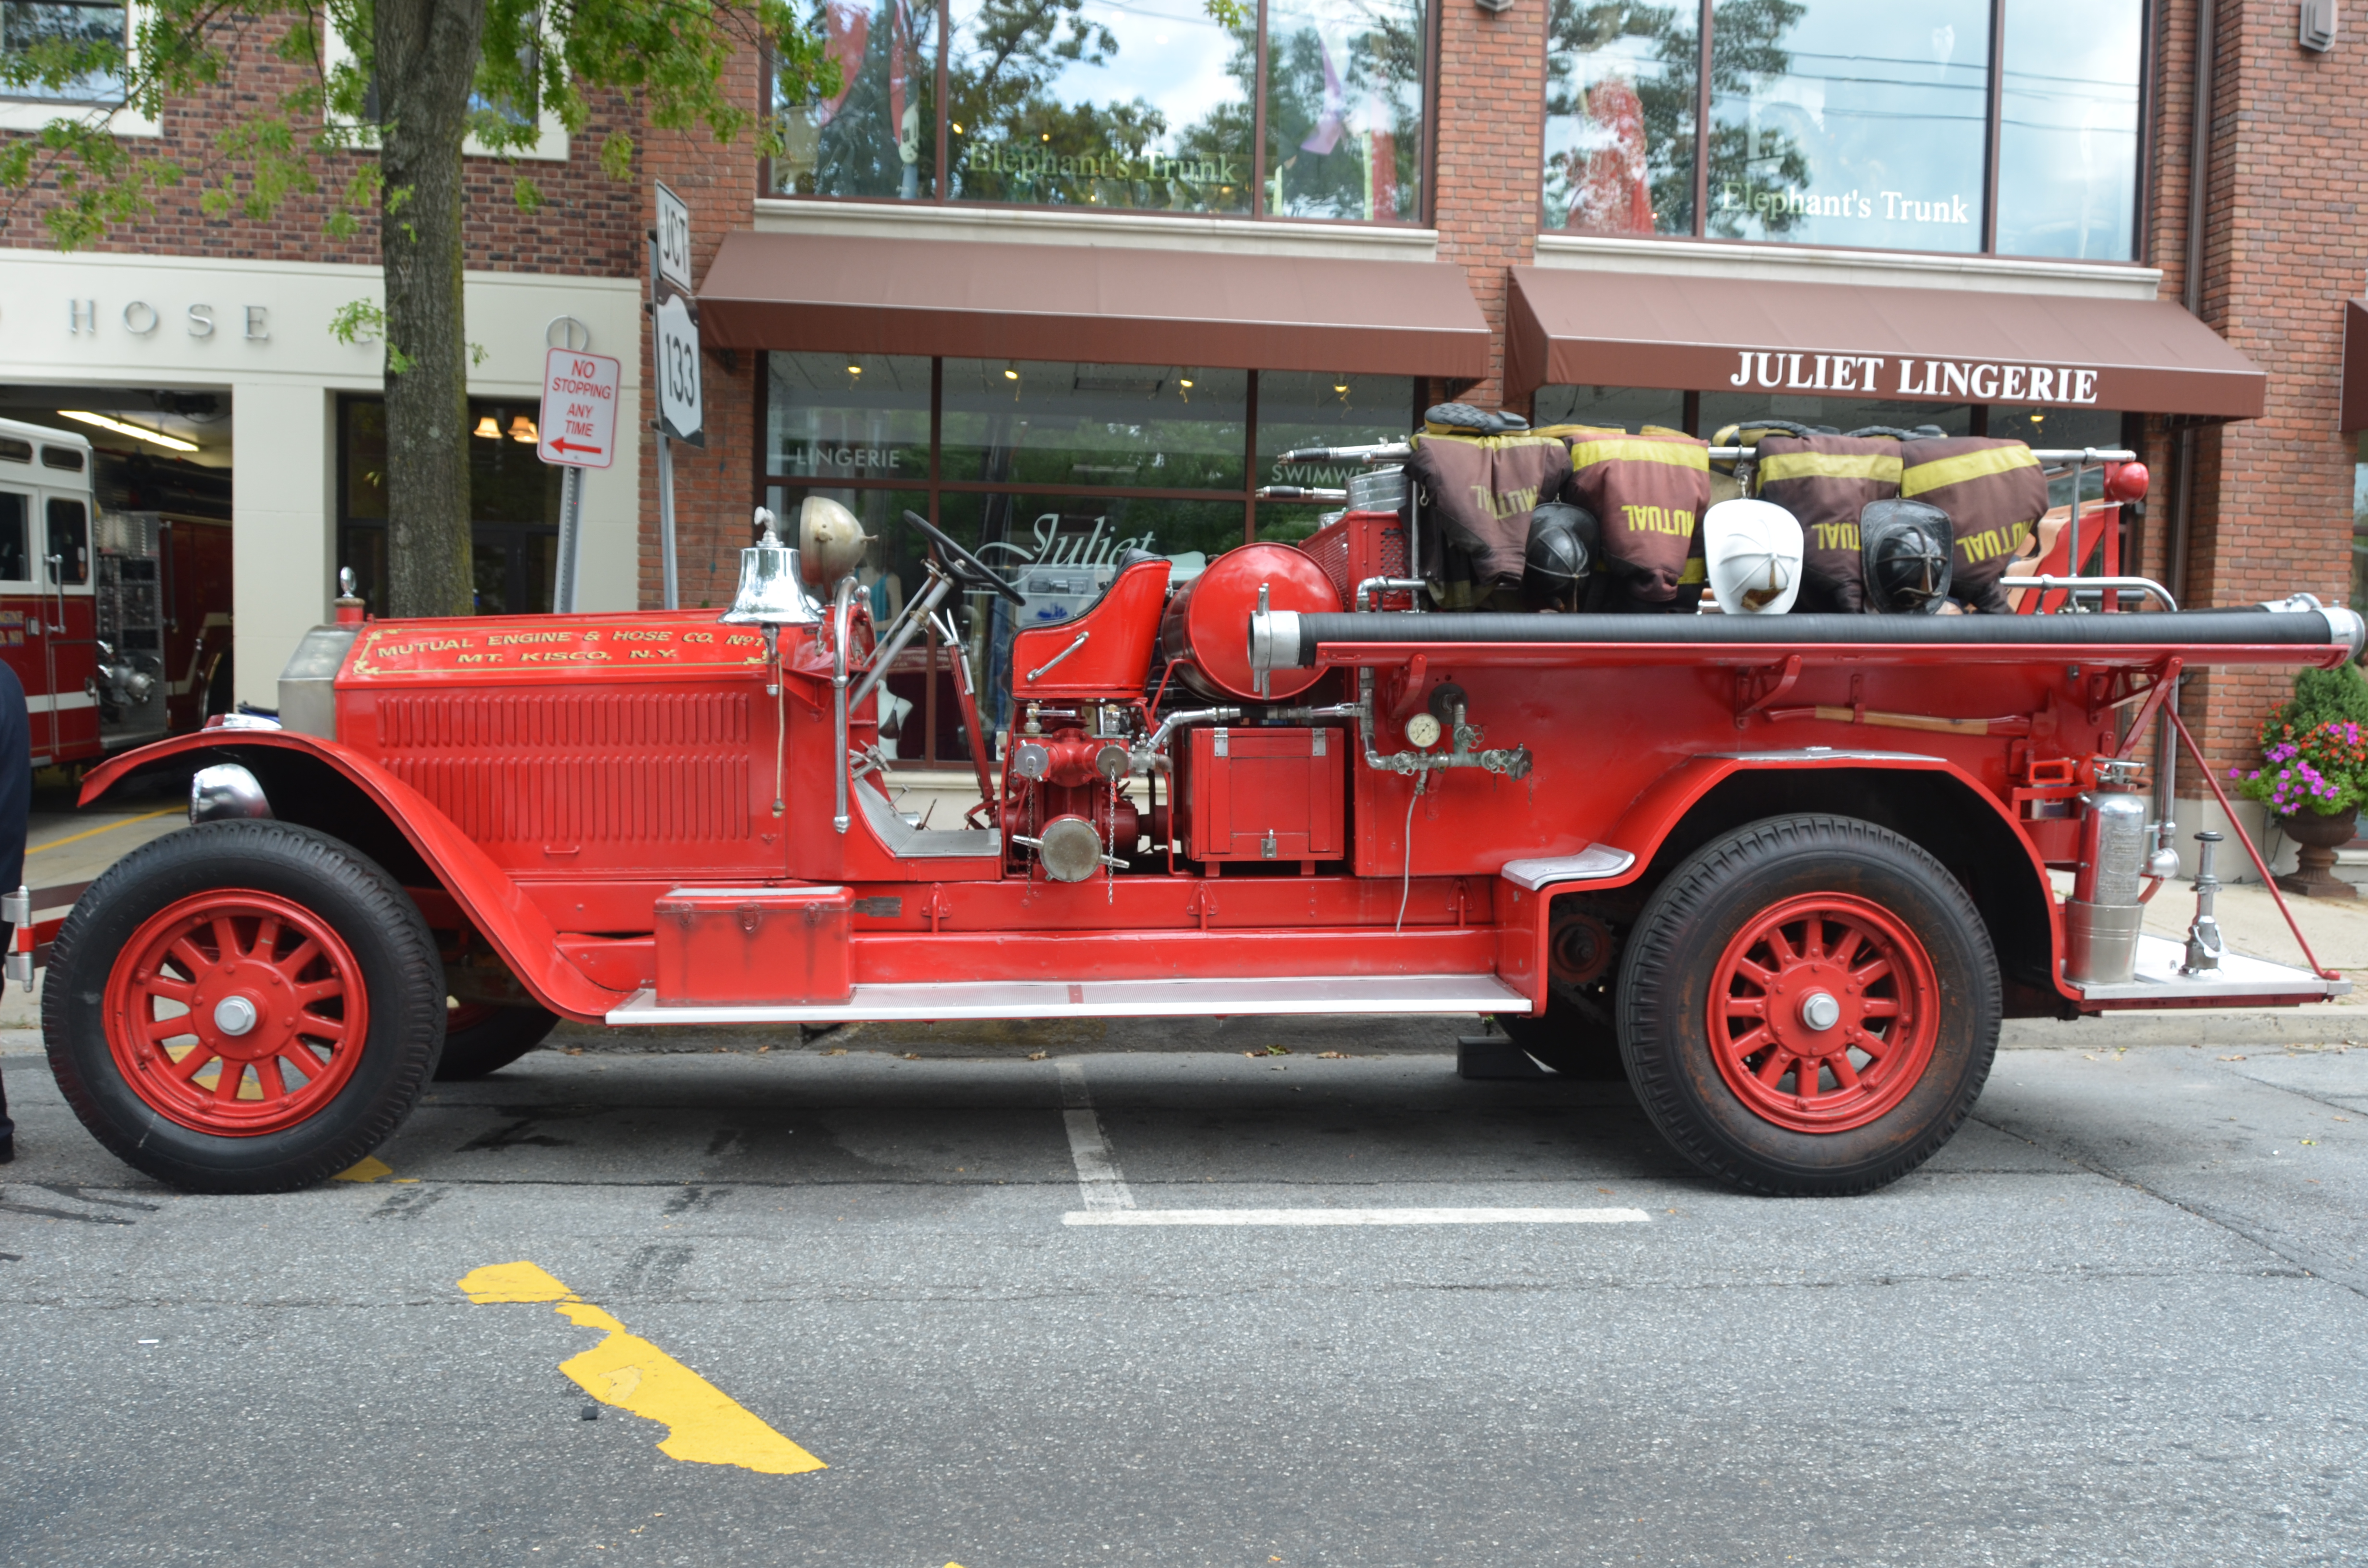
column 482, row 1041
column 393, row 955
column 1676, row 950
column 1574, row 1044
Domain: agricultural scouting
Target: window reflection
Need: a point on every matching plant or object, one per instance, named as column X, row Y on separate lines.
column 2068, row 128
column 878, row 135
column 1300, row 409
column 848, row 416
column 1630, row 408
column 1028, row 422
column 1620, row 116
column 95, row 32
column 1140, row 104
column 1851, row 123
column 1344, row 109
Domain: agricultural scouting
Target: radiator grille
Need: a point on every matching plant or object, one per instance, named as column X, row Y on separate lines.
column 576, row 767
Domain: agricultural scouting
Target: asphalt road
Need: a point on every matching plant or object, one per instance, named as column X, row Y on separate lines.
column 2120, row 1320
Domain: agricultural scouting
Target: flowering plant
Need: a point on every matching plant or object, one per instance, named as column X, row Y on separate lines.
column 2320, row 768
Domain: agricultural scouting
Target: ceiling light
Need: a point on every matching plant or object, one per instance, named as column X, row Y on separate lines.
column 1010, row 372
column 522, row 430
column 489, row 429
column 958, row 129
column 855, row 370
column 170, row 443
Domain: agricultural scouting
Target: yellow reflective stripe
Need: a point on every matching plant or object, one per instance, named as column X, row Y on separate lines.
column 1941, row 473
column 1697, row 571
column 1882, row 466
column 1676, row 454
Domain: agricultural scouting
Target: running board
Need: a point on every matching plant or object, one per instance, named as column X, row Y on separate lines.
column 1446, row 993
column 2239, row 981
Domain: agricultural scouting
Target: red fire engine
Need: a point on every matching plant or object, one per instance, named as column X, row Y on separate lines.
column 1787, row 873
column 117, row 623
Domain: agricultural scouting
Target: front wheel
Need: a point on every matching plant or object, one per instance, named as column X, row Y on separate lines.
column 1809, row 1005
column 244, row 1006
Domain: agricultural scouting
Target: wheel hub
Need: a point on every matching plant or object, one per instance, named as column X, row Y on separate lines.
column 1823, row 1011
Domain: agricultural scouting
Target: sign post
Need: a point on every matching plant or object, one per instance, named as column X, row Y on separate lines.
column 578, row 430
column 674, row 330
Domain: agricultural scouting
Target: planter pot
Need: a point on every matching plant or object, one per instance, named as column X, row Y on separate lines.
column 2317, row 839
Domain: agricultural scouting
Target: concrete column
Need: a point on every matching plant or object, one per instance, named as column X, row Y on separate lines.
column 283, row 554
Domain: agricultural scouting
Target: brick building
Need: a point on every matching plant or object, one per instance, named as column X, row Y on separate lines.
column 1070, row 277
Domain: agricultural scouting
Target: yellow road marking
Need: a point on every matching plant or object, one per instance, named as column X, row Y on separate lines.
column 371, row 1169
column 707, row 1426
column 95, row 832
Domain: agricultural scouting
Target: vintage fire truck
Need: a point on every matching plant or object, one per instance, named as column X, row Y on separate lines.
column 1786, row 874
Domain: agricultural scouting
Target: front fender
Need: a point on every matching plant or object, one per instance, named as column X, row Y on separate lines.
column 519, row 932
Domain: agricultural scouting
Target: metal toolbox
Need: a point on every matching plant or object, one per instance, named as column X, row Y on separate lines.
column 1263, row 794
column 779, row 946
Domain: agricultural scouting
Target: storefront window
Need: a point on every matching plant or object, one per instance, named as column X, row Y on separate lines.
column 1840, row 414
column 1620, row 116
column 34, row 25
column 1141, row 426
column 1076, row 103
column 1630, row 408
column 2069, row 129
column 1130, row 105
column 513, row 505
column 848, row 416
column 2360, row 527
column 878, row 135
column 1300, row 409
column 1862, row 123
column 1344, row 109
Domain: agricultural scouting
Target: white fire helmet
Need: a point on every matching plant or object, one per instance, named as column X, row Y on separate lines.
column 1752, row 549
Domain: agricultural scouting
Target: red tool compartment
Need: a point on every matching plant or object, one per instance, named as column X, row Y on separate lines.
column 783, row 946
column 1362, row 545
column 1263, row 794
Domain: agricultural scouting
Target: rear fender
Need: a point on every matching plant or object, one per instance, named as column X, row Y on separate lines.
column 1927, row 800
column 319, row 784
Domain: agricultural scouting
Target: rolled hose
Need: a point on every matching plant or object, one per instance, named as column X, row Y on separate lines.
column 1290, row 640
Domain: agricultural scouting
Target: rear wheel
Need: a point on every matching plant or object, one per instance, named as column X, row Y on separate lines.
column 1809, row 1005
column 481, row 1039
column 244, row 1007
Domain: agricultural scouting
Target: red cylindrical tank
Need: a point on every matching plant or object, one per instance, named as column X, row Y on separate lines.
column 1209, row 622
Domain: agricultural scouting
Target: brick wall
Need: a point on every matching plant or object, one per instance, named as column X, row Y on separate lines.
column 1490, row 129
column 2283, row 248
column 583, row 228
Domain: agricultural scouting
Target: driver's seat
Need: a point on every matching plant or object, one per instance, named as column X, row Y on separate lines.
column 1119, row 630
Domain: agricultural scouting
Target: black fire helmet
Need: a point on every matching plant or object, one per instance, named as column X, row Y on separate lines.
column 1906, row 548
column 1563, row 544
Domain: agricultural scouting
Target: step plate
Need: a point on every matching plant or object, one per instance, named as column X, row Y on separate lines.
column 2239, row 981
column 1446, row 993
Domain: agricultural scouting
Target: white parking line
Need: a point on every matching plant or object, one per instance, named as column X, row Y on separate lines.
column 1101, row 1186
column 1132, row 1216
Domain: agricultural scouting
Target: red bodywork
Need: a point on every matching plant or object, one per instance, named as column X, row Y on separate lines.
column 596, row 795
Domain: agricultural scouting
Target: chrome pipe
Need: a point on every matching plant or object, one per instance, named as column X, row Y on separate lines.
column 908, row 625
column 2076, row 585
column 842, row 614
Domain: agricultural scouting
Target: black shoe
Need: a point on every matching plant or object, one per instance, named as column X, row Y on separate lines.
column 8, row 1150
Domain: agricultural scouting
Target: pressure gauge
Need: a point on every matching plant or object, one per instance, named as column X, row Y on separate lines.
column 1423, row 729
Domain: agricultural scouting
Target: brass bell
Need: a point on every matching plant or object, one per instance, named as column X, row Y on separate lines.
column 772, row 589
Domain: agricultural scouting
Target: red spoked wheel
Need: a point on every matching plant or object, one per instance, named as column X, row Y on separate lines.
column 1823, row 1011
column 235, row 1012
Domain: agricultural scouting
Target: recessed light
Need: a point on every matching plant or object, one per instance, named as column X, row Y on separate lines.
column 170, row 443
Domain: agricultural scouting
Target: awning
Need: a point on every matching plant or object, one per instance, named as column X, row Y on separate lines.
column 1567, row 327
column 1097, row 304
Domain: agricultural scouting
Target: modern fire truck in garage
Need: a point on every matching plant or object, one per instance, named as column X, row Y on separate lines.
column 1788, row 873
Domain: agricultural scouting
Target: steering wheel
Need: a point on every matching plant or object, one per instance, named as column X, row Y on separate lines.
column 967, row 568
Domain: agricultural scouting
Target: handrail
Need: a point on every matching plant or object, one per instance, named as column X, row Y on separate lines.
column 2075, row 586
column 842, row 611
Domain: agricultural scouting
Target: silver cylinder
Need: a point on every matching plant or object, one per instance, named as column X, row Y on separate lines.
column 2100, row 942
column 2112, row 849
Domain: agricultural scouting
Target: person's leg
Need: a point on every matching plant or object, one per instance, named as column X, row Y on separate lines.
column 7, row 1128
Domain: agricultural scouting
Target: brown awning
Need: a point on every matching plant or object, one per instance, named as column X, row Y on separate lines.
column 1092, row 304
column 1694, row 334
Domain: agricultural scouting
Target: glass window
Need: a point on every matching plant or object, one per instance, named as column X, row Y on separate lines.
column 1300, row 409
column 513, row 502
column 1344, row 109
column 13, row 527
column 1140, row 104
column 1630, row 408
column 1620, row 116
column 848, row 416
column 1132, row 427
column 56, row 31
column 2068, row 128
column 68, row 545
column 878, row 135
column 1840, row 414
column 2360, row 527
column 1849, row 122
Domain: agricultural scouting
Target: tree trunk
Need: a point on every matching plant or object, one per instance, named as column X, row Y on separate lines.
column 427, row 61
